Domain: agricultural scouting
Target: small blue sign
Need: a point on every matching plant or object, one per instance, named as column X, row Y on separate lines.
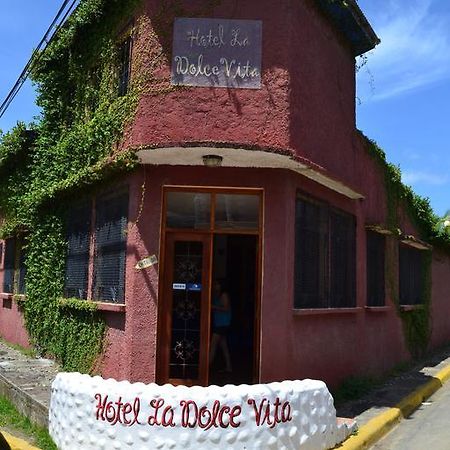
column 194, row 287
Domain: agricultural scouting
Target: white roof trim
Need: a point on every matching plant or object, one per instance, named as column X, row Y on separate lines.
column 239, row 157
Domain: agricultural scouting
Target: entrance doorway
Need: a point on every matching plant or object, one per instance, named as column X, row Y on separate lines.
column 209, row 334
column 234, row 267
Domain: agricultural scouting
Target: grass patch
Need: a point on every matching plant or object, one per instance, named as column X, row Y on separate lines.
column 12, row 421
column 30, row 352
column 354, row 388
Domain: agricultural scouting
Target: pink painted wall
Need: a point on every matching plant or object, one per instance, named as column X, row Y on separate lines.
column 306, row 106
column 12, row 328
column 440, row 293
column 208, row 114
column 328, row 346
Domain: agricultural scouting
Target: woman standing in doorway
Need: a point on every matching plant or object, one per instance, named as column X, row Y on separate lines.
column 221, row 321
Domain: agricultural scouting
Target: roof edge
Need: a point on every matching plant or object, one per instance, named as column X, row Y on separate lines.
column 348, row 17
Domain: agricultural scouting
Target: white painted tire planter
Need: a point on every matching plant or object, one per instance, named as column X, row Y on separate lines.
column 93, row 413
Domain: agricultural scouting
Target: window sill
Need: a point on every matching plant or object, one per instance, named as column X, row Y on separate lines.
column 18, row 298
column 411, row 307
column 111, row 307
column 376, row 309
column 90, row 305
column 326, row 311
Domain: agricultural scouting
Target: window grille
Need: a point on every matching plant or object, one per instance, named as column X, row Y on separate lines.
column 342, row 260
column 22, row 271
column 325, row 256
column 77, row 261
column 375, row 267
column 411, row 282
column 124, row 66
column 110, row 248
column 9, row 265
column 311, row 255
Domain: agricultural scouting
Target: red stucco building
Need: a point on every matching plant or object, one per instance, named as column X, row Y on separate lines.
column 268, row 186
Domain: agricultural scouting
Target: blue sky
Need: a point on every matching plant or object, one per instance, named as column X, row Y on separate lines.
column 403, row 91
column 22, row 25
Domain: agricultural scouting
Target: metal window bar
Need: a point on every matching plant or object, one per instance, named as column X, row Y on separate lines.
column 375, row 267
column 21, row 271
column 110, row 248
column 311, row 255
column 342, row 260
column 9, row 265
column 77, row 260
column 411, row 285
column 124, row 66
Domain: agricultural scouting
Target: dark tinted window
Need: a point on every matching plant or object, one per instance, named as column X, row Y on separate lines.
column 375, row 266
column 311, row 255
column 22, row 271
column 411, row 283
column 325, row 256
column 9, row 265
column 124, row 66
column 342, row 260
column 110, row 248
column 77, row 261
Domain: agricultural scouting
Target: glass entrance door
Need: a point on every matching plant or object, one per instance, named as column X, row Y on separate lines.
column 211, row 237
column 184, row 349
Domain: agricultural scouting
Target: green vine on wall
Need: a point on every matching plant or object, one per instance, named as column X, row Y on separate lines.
column 81, row 143
column 78, row 145
column 416, row 323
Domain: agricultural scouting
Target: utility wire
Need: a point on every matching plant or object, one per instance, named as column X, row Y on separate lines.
column 49, row 35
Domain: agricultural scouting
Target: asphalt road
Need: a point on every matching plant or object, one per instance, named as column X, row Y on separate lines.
column 428, row 428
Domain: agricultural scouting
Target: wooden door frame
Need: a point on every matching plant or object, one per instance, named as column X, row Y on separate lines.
column 211, row 232
column 165, row 327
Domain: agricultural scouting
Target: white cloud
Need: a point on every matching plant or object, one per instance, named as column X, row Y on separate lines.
column 416, row 177
column 414, row 50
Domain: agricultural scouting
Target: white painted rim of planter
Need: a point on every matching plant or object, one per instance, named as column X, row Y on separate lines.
column 94, row 413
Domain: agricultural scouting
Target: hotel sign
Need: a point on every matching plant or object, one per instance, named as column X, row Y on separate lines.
column 111, row 414
column 217, row 53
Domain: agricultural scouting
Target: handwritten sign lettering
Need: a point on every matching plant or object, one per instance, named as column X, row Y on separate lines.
column 217, row 52
column 189, row 414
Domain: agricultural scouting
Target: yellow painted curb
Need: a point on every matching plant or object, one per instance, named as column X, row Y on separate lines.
column 16, row 443
column 377, row 427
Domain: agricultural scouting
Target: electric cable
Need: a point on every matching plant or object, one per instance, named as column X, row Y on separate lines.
column 49, row 35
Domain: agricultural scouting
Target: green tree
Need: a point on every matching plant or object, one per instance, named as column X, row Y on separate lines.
column 443, row 225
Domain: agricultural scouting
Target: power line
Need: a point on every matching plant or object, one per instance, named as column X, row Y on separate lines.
column 49, row 35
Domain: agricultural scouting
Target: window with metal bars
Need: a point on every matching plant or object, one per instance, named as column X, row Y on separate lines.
column 14, row 269
column 342, row 260
column 78, row 243
column 124, row 52
column 325, row 256
column 375, row 268
column 110, row 247
column 9, row 265
column 411, row 275
column 21, row 272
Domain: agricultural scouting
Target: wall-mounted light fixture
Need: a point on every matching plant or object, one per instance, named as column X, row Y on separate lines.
column 212, row 160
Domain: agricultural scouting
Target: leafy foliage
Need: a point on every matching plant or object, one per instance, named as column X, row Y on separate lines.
column 399, row 195
column 416, row 323
column 78, row 145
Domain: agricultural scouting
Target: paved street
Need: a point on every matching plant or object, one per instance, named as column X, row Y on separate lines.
column 427, row 428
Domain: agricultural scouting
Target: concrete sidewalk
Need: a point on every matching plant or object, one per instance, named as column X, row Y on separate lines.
column 383, row 408
column 26, row 382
